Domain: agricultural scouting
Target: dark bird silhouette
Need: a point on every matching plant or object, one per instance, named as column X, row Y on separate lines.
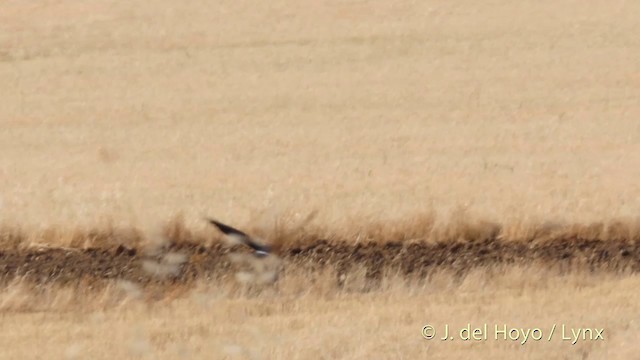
column 260, row 250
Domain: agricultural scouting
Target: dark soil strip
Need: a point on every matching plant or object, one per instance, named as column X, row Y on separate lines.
column 73, row 266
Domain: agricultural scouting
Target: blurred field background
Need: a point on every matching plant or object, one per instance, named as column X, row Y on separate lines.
column 130, row 112
column 135, row 112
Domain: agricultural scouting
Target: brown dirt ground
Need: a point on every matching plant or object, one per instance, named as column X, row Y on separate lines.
column 410, row 258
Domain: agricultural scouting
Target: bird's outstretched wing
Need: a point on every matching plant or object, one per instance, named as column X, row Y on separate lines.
column 260, row 249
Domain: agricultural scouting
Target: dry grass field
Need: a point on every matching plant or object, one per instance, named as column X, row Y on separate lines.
column 125, row 114
column 302, row 322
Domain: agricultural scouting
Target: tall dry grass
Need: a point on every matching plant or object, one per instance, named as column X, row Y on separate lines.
column 295, row 231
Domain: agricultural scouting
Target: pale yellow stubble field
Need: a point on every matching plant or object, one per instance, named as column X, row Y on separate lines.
column 136, row 111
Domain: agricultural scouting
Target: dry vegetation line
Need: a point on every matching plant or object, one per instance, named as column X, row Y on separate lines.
column 187, row 256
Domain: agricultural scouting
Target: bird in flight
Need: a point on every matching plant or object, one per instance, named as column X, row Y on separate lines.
column 259, row 250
